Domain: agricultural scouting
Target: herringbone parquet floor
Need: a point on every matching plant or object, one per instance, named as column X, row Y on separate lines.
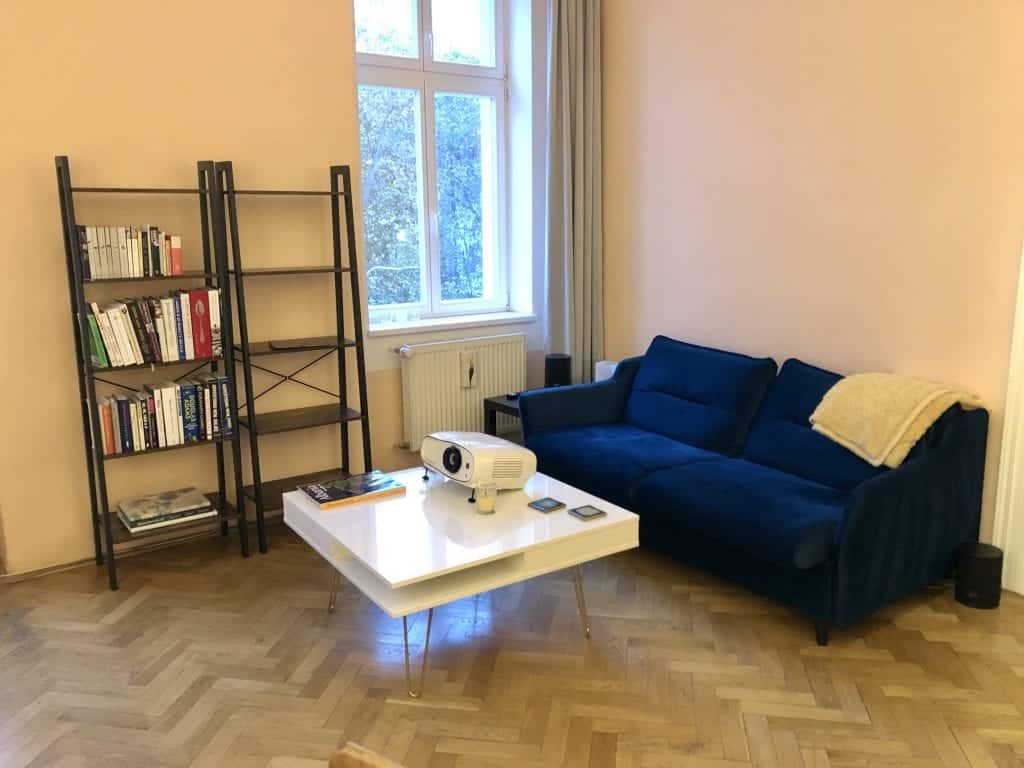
column 208, row 660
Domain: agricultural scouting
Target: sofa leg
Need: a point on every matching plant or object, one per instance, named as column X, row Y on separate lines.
column 821, row 632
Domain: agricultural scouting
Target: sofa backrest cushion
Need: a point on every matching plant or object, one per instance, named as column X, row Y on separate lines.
column 782, row 437
column 697, row 395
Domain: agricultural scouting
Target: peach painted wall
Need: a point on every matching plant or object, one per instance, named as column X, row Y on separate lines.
column 135, row 94
column 840, row 182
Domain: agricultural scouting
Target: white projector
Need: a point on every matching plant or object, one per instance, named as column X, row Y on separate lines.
column 476, row 460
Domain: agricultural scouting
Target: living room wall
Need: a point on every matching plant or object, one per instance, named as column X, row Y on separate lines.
column 839, row 182
column 135, row 94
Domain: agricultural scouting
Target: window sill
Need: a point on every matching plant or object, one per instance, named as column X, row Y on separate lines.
column 453, row 323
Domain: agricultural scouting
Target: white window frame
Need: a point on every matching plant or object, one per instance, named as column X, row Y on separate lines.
column 428, row 78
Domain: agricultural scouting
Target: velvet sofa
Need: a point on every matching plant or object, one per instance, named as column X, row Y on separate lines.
column 715, row 453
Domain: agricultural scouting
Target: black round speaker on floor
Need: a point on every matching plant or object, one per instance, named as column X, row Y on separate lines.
column 979, row 575
column 557, row 370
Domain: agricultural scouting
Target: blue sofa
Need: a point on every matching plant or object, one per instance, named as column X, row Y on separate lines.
column 714, row 451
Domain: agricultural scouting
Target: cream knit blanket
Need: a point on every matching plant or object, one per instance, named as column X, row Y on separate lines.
column 880, row 416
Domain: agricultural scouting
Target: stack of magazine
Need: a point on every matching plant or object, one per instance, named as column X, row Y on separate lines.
column 351, row 489
column 161, row 510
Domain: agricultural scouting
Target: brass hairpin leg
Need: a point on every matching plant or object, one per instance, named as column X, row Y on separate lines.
column 335, row 584
column 581, row 601
column 423, row 663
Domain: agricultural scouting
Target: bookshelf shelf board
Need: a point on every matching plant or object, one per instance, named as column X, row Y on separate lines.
column 289, row 192
column 270, row 422
column 192, row 274
column 225, row 511
column 290, row 346
column 324, row 269
column 193, row 444
column 145, row 366
column 137, row 190
column 272, row 489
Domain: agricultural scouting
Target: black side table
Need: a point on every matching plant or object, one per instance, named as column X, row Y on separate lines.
column 495, row 405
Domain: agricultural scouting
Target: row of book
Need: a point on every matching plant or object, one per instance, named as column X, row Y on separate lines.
column 133, row 252
column 184, row 325
column 164, row 415
column 160, row 510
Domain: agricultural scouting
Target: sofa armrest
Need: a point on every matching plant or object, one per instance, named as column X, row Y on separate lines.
column 902, row 528
column 578, row 405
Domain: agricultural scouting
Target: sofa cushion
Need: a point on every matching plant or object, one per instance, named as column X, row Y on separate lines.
column 770, row 515
column 781, row 436
column 608, row 459
column 697, row 395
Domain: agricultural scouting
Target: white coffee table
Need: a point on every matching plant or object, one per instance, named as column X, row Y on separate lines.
column 431, row 547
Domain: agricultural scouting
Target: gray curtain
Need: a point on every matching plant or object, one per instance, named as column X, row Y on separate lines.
column 575, row 315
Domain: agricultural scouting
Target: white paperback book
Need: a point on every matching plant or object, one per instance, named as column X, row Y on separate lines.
column 186, row 325
column 95, row 267
column 167, row 307
column 124, row 347
column 107, row 334
column 213, row 302
column 122, row 250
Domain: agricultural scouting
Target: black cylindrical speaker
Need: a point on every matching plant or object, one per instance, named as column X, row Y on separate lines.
column 979, row 575
column 557, row 370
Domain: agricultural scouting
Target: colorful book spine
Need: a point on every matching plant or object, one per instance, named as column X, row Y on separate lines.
column 227, row 424
column 189, row 412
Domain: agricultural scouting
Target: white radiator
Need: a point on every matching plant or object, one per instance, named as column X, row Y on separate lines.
column 444, row 383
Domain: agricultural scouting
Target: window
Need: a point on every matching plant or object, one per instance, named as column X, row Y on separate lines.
column 432, row 133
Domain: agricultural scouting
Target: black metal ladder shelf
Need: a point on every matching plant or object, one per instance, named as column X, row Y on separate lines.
column 214, row 274
column 266, row 495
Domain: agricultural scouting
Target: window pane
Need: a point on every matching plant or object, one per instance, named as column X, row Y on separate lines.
column 466, row 135
column 392, row 181
column 387, row 27
column 464, row 31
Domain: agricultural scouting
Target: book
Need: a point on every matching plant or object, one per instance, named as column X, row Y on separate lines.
column 159, row 510
column 120, row 244
column 179, row 328
column 139, row 328
column 97, row 349
column 369, row 486
column 156, row 242
column 176, row 265
column 115, row 425
column 146, row 310
column 201, row 342
column 213, row 302
column 167, row 253
column 83, row 250
column 95, row 268
column 171, row 339
column 107, row 427
column 189, row 412
column 227, row 424
column 186, row 325
column 106, row 334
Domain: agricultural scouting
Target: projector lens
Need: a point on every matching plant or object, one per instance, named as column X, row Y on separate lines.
column 452, row 459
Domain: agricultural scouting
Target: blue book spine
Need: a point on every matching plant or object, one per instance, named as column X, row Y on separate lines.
column 179, row 328
column 227, row 426
column 189, row 413
column 124, row 415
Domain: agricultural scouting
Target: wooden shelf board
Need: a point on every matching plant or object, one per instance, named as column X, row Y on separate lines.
column 190, row 274
column 274, row 271
column 290, row 346
column 143, row 366
column 270, row 422
column 273, row 489
column 193, row 444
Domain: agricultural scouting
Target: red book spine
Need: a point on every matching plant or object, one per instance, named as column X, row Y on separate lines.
column 108, row 429
column 201, row 340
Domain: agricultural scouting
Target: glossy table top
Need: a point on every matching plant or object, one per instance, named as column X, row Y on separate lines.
column 434, row 530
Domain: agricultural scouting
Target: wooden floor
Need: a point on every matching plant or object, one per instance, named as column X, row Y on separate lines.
column 205, row 659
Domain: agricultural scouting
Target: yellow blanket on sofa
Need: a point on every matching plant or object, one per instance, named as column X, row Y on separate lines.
column 880, row 416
